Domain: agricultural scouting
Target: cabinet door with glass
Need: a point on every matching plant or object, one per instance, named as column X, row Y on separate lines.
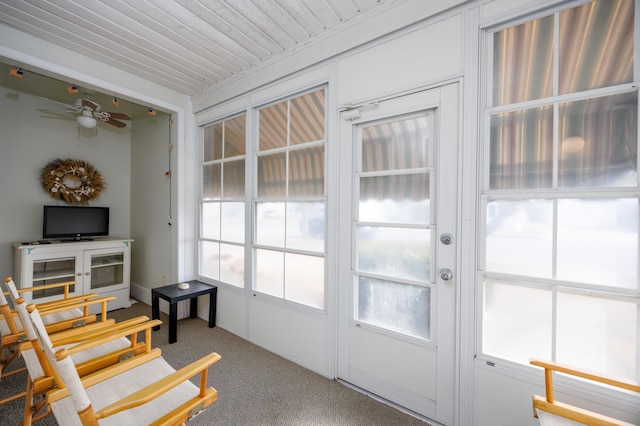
column 47, row 269
column 106, row 270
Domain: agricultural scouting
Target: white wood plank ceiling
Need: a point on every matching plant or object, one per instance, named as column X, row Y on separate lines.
column 186, row 45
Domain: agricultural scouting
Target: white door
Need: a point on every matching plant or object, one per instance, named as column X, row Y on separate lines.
column 397, row 267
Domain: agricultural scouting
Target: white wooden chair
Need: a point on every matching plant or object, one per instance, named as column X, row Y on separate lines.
column 554, row 413
column 68, row 312
column 41, row 376
column 143, row 390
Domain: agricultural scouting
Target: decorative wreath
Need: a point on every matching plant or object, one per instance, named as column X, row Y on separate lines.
column 72, row 181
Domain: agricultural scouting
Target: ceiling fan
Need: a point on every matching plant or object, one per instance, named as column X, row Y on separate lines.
column 89, row 112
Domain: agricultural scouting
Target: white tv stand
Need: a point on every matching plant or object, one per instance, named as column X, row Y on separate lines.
column 100, row 265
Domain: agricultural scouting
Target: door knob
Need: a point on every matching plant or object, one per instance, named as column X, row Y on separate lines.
column 446, row 239
column 446, row 274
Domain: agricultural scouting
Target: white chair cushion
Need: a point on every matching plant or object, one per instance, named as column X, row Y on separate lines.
column 118, row 387
column 35, row 368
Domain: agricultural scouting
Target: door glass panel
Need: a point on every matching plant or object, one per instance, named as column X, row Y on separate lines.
column 596, row 45
column 599, row 142
column 519, row 237
column 393, row 187
column 400, row 307
column 394, row 252
column 401, row 144
column 598, row 241
column 395, row 199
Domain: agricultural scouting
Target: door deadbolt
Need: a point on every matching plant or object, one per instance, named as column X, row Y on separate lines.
column 446, row 274
column 446, row 238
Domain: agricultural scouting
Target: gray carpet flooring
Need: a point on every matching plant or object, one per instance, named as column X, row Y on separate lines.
column 255, row 386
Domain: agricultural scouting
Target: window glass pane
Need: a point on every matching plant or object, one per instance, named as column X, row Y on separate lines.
column 213, row 142
column 523, row 62
column 272, row 181
column 307, row 118
column 596, row 45
column 517, row 322
column 305, row 226
column 270, row 272
column 304, row 279
column 232, row 264
column 519, row 237
column 598, row 241
column 521, row 150
column 306, row 172
column 273, row 127
column 211, row 188
column 598, row 334
column 599, row 142
column 396, row 252
column 400, row 307
column 210, row 259
column 234, row 136
column 211, row 220
column 232, row 227
column 396, row 198
column 234, row 179
column 401, row 144
column 270, row 222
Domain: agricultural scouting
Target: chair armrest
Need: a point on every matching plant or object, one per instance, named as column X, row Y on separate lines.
column 585, row 374
column 77, row 335
column 161, row 386
column 113, row 335
column 64, row 302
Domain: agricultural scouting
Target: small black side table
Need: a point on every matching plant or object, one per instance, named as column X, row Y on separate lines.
column 173, row 295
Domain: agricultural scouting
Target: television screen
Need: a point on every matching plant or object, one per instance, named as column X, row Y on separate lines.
column 75, row 222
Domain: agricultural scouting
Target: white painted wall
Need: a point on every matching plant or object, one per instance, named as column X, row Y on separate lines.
column 28, row 141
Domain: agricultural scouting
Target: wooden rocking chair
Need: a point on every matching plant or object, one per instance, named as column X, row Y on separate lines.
column 142, row 390
column 551, row 412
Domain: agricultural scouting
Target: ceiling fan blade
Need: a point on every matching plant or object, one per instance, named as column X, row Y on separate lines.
column 70, row 108
column 86, row 103
column 118, row 115
column 115, row 122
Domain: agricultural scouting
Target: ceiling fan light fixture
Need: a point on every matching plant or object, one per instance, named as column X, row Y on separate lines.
column 87, row 122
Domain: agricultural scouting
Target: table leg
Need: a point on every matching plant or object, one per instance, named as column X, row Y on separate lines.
column 213, row 298
column 155, row 310
column 193, row 309
column 173, row 322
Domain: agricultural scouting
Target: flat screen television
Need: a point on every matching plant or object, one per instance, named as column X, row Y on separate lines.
column 75, row 222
